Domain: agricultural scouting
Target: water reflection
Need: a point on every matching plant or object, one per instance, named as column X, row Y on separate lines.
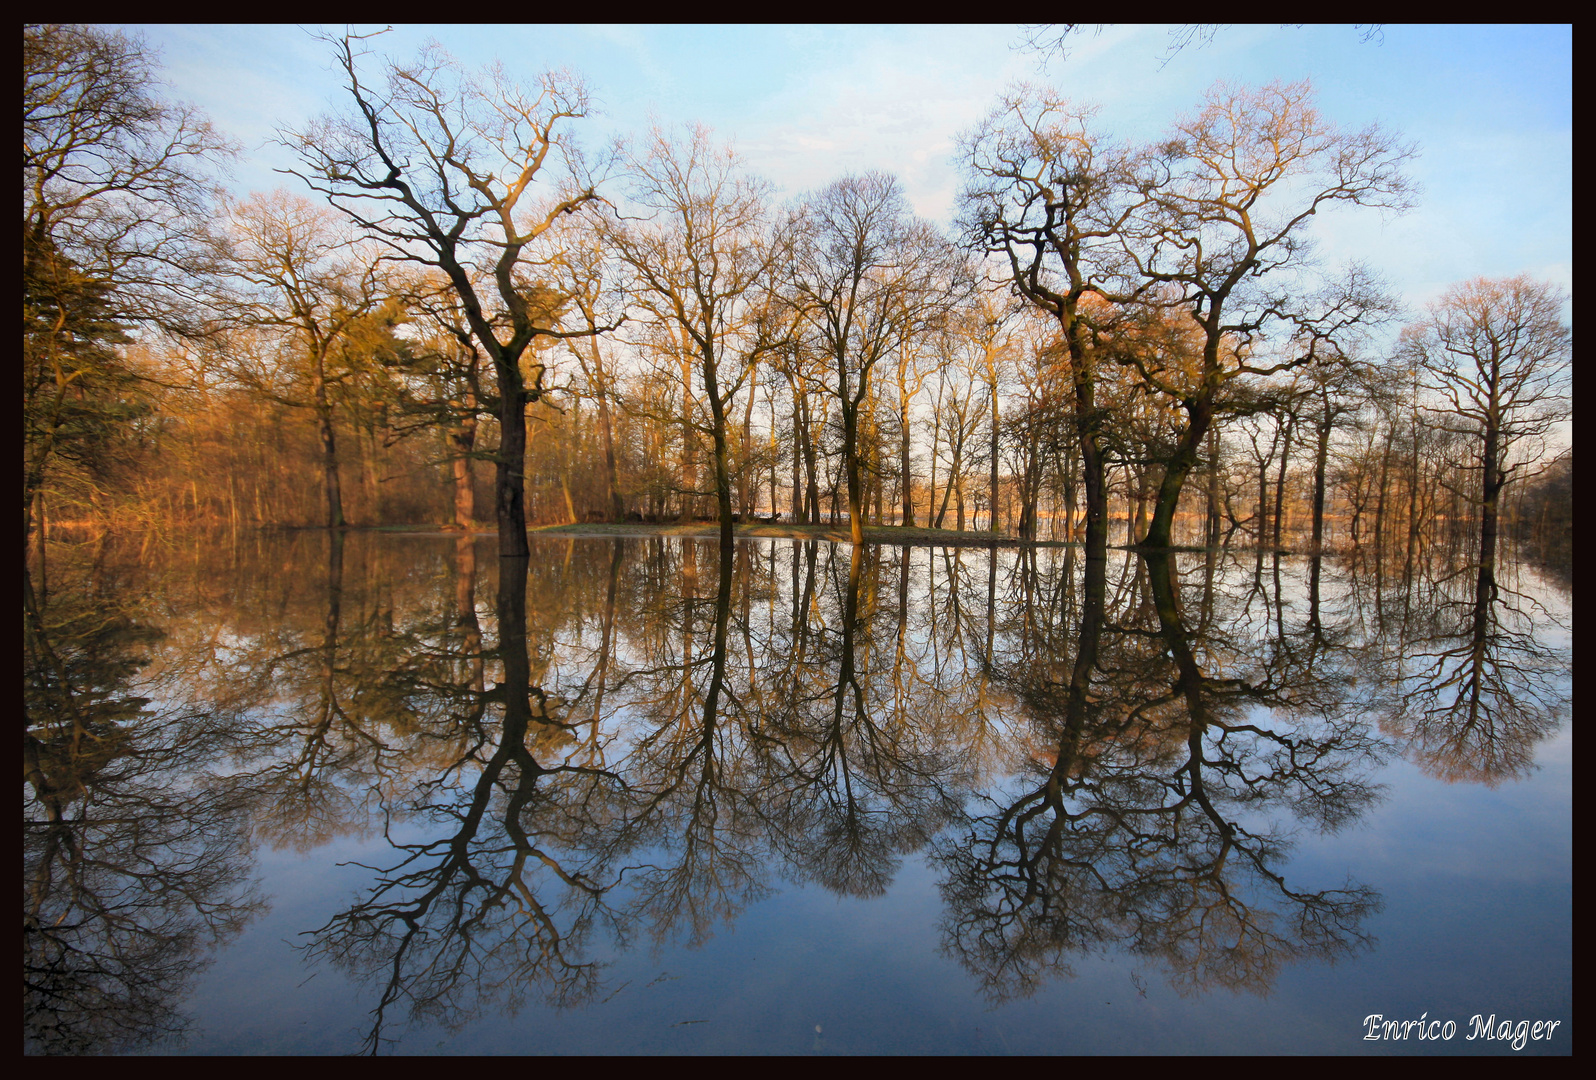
column 135, row 856
column 1474, row 689
column 1156, row 817
column 637, row 740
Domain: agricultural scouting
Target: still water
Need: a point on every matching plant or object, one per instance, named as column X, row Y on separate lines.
column 376, row 793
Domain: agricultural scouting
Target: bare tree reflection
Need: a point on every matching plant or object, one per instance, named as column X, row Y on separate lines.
column 1150, row 825
column 135, row 860
column 500, row 903
column 852, row 783
column 663, row 732
column 1475, row 691
column 697, row 821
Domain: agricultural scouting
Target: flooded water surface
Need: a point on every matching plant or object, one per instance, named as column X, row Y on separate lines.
column 373, row 793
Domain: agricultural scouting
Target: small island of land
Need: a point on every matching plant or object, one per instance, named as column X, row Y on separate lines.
column 896, row 535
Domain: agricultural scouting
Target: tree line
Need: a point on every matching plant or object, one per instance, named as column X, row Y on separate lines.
column 462, row 310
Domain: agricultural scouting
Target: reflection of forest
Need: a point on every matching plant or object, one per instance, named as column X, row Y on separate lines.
column 637, row 739
column 135, row 849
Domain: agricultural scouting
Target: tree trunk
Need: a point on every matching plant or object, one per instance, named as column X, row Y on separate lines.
column 689, row 482
column 811, row 466
column 748, row 481
column 878, row 485
column 723, row 477
column 850, row 461
column 1385, row 483
column 1070, row 492
column 1491, row 489
column 329, row 449
column 1280, row 476
column 462, row 441
column 797, row 459
column 607, row 434
column 1321, row 458
column 774, row 455
column 903, row 460
column 1263, row 500
column 1413, row 497
column 1211, row 531
column 1138, row 520
column 992, row 478
column 1200, row 415
column 509, row 479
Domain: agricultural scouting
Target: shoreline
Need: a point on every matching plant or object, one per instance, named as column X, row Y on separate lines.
column 890, row 535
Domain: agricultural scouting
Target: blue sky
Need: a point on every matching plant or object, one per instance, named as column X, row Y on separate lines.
column 1491, row 108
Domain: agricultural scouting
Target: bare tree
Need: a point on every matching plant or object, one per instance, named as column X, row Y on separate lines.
column 1243, row 177
column 1047, row 196
column 439, row 165
column 1334, row 390
column 586, row 282
column 953, row 423
column 444, row 365
column 114, row 177
column 310, row 289
column 908, row 376
column 1496, row 352
column 866, row 275
column 704, row 264
column 985, row 327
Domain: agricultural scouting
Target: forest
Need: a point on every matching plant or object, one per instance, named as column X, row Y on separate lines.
column 452, row 316
column 467, row 581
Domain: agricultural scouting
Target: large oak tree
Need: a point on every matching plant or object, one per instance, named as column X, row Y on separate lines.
column 440, row 166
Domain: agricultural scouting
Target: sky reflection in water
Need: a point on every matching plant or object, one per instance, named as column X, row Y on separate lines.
column 788, row 801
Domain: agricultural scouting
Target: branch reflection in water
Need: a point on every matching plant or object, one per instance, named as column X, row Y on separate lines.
column 1161, row 795
column 637, row 740
column 1475, row 686
column 136, row 856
